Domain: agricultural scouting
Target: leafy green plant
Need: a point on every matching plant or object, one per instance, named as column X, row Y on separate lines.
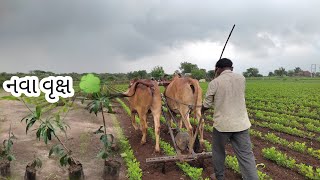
column 278, row 157
column 297, row 146
column 313, row 152
column 47, row 130
column 91, row 84
column 36, row 163
column 6, row 150
column 308, row 171
column 95, row 106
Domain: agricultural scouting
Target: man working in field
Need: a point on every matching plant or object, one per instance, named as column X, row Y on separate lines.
column 231, row 122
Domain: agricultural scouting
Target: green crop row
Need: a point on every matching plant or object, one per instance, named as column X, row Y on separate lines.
column 296, row 146
column 299, row 98
column 294, row 121
column 134, row 171
column 289, row 117
column 289, row 162
column 291, row 100
column 286, row 109
column 273, row 119
column 288, row 130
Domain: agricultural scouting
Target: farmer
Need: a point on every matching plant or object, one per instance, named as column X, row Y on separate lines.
column 231, row 122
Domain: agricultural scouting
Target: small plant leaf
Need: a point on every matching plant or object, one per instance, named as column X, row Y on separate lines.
column 123, row 155
column 30, row 124
column 102, row 155
column 11, row 157
column 57, row 150
column 36, row 163
column 64, row 160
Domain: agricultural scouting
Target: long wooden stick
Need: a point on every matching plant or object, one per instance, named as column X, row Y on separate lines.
column 226, row 41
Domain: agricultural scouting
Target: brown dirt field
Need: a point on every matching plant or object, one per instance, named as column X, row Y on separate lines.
column 142, row 152
column 83, row 143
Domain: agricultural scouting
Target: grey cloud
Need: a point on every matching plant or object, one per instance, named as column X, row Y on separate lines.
column 83, row 34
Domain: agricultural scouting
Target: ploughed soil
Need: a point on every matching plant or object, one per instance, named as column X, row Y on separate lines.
column 142, row 152
column 155, row 170
column 80, row 139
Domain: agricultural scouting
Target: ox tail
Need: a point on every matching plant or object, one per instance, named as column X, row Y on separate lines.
column 117, row 95
column 129, row 93
column 196, row 91
column 132, row 90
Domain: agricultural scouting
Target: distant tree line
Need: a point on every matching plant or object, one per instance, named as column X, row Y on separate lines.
column 185, row 68
column 158, row 73
column 254, row 72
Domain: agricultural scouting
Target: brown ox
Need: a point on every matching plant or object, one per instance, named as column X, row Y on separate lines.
column 144, row 96
column 184, row 95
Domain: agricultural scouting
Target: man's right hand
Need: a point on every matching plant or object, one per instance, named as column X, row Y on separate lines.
column 203, row 109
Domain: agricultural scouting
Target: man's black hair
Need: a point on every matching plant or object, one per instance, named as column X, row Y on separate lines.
column 224, row 62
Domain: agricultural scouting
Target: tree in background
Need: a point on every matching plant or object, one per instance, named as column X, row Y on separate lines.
column 186, row 67
column 280, row 72
column 210, row 74
column 252, row 72
column 198, row 73
column 297, row 70
column 271, row 74
column 157, row 72
column 291, row 73
column 141, row 74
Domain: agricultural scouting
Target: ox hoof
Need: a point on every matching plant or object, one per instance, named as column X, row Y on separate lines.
column 157, row 150
column 143, row 142
column 181, row 158
column 135, row 126
column 201, row 142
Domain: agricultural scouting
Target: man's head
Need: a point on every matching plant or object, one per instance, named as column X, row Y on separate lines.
column 223, row 64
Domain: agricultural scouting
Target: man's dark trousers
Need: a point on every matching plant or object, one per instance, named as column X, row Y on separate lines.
column 241, row 144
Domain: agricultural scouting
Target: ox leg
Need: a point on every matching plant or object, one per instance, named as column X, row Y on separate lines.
column 190, row 131
column 201, row 127
column 180, row 123
column 133, row 121
column 143, row 124
column 156, row 119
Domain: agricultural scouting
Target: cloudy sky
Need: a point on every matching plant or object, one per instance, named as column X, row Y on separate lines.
column 128, row 35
